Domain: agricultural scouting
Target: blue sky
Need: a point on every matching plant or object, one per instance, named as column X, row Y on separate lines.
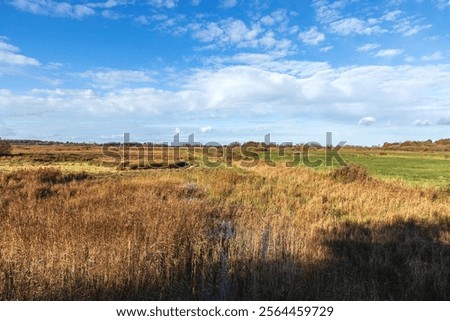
column 226, row 70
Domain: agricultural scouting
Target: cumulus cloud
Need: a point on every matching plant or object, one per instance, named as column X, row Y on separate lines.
column 348, row 95
column 236, row 33
column 311, row 37
column 9, row 54
column 387, row 53
column 53, row 8
column 206, row 129
column 331, row 14
column 367, row 121
column 422, row 122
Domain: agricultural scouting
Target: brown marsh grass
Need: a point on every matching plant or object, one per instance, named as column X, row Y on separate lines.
column 221, row 234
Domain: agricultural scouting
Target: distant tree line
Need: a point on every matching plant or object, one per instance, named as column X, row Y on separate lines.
column 427, row 145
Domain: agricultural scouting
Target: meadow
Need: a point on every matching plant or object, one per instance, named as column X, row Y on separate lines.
column 77, row 226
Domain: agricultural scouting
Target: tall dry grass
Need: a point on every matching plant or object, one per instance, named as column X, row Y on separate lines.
column 255, row 234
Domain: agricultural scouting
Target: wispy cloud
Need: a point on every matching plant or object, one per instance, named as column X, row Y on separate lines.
column 391, row 15
column 387, row 53
column 433, row 57
column 9, row 54
column 227, row 4
column 409, row 27
column 443, row 4
column 110, row 4
column 326, row 49
column 311, row 37
column 163, row 3
column 326, row 11
column 108, row 79
column 355, row 26
column 368, row 47
column 53, row 8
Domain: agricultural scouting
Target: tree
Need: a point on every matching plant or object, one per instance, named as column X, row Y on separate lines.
column 5, row 147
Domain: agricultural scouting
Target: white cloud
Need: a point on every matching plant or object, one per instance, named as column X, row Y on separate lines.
column 355, row 26
column 326, row 49
column 391, row 15
column 109, row 4
column 142, row 19
column 368, row 47
column 6, row 47
column 311, row 37
column 367, row 121
column 387, row 53
column 245, row 93
column 272, row 62
column 163, row 3
column 236, row 33
column 196, row 2
column 53, row 8
column 267, row 20
column 278, row 17
column 327, row 12
column 206, row 129
column 208, row 32
column 422, row 122
column 110, row 14
column 434, row 56
column 442, row 4
column 407, row 27
column 227, row 4
column 108, row 79
column 163, row 19
column 9, row 55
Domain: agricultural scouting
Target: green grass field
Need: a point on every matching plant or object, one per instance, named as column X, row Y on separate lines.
column 414, row 168
column 425, row 169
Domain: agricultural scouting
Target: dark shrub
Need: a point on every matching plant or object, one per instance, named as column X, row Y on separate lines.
column 5, row 148
column 53, row 176
column 350, row 173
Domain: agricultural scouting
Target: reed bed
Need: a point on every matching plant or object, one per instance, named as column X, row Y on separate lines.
column 221, row 234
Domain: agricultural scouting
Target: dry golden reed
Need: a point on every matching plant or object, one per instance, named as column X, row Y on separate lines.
column 221, row 234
